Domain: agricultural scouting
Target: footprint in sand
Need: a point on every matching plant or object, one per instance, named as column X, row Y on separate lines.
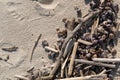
column 17, row 16
column 12, row 10
column 48, row 7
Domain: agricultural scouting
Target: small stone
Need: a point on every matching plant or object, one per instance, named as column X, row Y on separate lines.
column 114, row 52
column 111, row 36
column 88, row 55
column 44, row 43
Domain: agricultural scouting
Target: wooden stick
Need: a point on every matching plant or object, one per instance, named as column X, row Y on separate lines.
column 70, row 69
column 30, row 69
column 36, row 42
column 46, row 78
column 117, row 32
column 116, row 60
column 21, row 77
column 64, row 64
column 91, row 77
column 84, row 42
column 81, row 73
column 68, row 47
column 94, row 26
column 62, row 73
column 57, row 47
column 51, row 49
column 103, row 72
column 57, row 64
column 70, row 36
column 95, row 63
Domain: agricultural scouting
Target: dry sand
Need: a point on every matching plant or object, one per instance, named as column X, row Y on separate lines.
column 21, row 22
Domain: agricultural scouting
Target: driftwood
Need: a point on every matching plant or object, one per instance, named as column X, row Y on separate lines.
column 68, row 47
column 70, row 36
column 72, row 59
column 46, row 78
column 30, row 69
column 94, row 26
column 51, row 49
column 21, row 77
column 91, row 77
column 64, row 64
column 57, row 47
column 84, row 42
column 35, row 47
column 116, row 60
column 103, row 72
column 57, row 64
column 81, row 73
column 95, row 63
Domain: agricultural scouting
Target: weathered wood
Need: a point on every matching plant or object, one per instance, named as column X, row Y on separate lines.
column 88, row 67
column 30, row 69
column 21, row 77
column 57, row 64
column 70, row 36
column 118, row 26
column 70, row 69
column 103, row 72
column 57, row 47
column 68, row 47
column 94, row 26
column 81, row 73
column 46, row 78
column 64, row 64
column 84, row 42
column 36, row 43
column 91, row 77
column 116, row 60
column 95, row 63
column 51, row 49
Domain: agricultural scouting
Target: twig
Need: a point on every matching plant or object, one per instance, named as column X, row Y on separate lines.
column 84, row 42
column 51, row 49
column 64, row 64
column 94, row 26
column 95, row 63
column 116, row 60
column 72, row 59
column 91, row 77
column 21, row 77
column 36, row 42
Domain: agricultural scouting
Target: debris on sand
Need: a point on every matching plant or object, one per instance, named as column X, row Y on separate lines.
column 92, row 54
column 88, row 51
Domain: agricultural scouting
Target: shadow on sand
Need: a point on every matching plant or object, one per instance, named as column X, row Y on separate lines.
column 87, row 1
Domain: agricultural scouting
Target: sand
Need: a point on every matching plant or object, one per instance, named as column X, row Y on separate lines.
column 21, row 22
